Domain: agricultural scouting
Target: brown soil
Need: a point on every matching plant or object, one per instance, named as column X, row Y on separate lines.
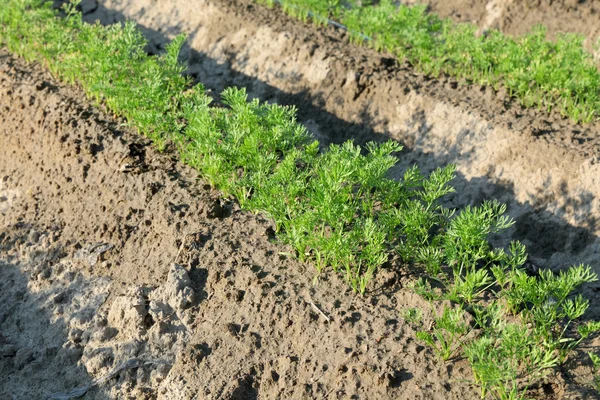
column 117, row 263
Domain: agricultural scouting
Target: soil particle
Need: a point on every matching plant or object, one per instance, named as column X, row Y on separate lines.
column 177, row 292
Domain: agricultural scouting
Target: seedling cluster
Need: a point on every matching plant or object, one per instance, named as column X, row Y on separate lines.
column 336, row 206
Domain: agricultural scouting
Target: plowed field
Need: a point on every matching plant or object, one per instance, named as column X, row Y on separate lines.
column 124, row 275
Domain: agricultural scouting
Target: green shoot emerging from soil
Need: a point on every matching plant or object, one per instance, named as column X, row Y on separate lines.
column 548, row 75
column 595, row 358
column 336, row 207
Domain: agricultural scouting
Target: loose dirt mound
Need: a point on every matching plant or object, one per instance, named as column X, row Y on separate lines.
column 122, row 275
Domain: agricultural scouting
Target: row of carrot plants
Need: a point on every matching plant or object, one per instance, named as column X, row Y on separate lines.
column 541, row 73
column 336, row 206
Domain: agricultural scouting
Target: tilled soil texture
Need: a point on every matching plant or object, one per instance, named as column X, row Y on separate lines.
column 122, row 276
column 517, row 17
column 541, row 165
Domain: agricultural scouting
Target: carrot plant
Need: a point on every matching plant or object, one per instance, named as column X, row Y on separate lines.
column 336, row 207
column 449, row 330
column 317, row 10
column 524, row 325
column 540, row 73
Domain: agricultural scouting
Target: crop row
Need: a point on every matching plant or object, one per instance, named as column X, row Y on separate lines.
column 550, row 75
column 335, row 206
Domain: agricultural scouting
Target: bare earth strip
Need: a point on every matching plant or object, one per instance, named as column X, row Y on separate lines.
column 544, row 167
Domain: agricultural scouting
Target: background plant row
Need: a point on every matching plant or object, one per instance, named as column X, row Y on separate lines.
column 336, row 207
column 549, row 75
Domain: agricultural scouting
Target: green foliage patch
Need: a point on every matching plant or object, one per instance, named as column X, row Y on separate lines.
column 541, row 73
column 336, row 206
